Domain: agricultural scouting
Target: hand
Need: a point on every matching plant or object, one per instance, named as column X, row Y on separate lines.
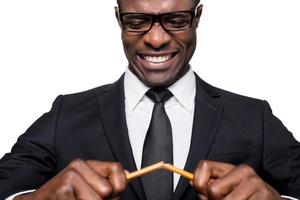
column 216, row 180
column 83, row 180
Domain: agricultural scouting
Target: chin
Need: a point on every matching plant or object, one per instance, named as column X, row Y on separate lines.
column 159, row 82
column 157, row 77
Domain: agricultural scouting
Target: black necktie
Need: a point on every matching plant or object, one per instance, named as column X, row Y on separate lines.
column 158, row 146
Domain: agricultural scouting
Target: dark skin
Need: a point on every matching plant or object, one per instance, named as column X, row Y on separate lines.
column 158, row 42
column 91, row 180
column 216, row 180
column 107, row 180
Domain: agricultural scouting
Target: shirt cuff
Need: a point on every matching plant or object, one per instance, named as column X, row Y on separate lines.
column 288, row 197
column 19, row 193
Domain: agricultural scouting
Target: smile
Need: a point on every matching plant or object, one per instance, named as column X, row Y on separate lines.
column 157, row 59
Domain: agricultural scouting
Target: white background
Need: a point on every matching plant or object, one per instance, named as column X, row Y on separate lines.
column 65, row 46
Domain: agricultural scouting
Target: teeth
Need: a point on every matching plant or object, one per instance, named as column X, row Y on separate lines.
column 158, row 59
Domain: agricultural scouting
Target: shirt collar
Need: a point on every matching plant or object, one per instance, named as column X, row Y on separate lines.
column 184, row 90
column 134, row 89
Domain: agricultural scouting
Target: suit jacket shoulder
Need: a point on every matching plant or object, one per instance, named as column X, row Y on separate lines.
column 249, row 133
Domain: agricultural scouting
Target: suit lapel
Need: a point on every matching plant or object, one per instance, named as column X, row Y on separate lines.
column 207, row 116
column 112, row 113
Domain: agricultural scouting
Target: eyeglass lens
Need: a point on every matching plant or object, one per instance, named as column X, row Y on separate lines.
column 139, row 22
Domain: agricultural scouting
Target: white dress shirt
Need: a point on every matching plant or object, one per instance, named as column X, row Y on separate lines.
column 179, row 108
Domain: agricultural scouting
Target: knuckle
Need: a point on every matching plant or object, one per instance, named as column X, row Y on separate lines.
column 76, row 163
column 265, row 194
column 203, row 164
column 246, row 170
column 119, row 187
column 106, row 190
column 69, row 176
column 254, row 181
column 115, row 167
column 64, row 190
column 214, row 192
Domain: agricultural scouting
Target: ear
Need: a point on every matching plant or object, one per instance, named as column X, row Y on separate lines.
column 117, row 15
column 198, row 14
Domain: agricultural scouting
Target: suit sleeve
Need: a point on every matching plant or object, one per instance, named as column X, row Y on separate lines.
column 281, row 155
column 32, row 159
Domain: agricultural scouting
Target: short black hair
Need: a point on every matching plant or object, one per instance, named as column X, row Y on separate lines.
column 196, row 2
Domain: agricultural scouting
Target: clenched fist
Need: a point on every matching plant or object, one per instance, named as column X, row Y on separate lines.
column 83, row 180
column 216, row 181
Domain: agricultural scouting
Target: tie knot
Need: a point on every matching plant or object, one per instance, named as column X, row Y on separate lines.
column 159, row 95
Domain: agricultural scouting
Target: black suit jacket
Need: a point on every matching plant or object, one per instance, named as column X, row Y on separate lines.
column 91, row 125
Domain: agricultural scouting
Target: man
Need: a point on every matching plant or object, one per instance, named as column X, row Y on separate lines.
column 80, row 149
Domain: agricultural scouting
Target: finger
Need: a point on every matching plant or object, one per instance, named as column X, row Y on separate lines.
column 267, row 193
column 115, row 174
column 253, row 188
column 206, row 171
column 84, row 191
column 98, row 183
column 243, row 191
column 225, row 184
column 61, row 192
column 118, row 179
column 75, row 187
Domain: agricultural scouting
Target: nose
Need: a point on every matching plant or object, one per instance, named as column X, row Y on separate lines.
column 157, row 37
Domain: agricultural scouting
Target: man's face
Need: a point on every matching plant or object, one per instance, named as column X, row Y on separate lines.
column 159, row 57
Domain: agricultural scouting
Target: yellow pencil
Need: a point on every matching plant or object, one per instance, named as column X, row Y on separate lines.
column 144, row 171
column 183, row 173
column 156, row 166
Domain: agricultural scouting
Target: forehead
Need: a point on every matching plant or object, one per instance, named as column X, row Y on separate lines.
column 155, row 6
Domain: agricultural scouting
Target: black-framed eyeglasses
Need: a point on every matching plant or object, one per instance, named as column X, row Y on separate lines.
column 143, row 22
